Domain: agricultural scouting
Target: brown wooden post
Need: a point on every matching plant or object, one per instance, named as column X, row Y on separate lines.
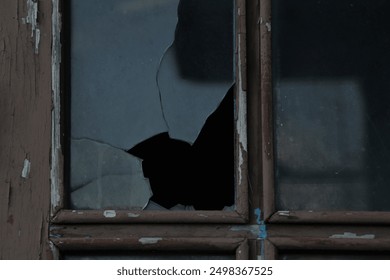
column 25, row 128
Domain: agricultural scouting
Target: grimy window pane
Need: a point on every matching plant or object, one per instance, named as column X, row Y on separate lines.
column 331, row 92
column 149, row 78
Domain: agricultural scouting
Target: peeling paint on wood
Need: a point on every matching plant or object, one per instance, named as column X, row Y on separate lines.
column 56, row 168
column 133, row 215
column 353, row 235
column 253, row 229
column 241, row 99
column 149, row 240
column 267, row 23
column 284, row 213
column 25, row 117
column 26, row 169
column 32, row 19
column 109, row 213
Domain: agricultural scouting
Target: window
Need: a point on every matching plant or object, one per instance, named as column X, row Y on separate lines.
column 154, row 117
column 150, row 111
column 325, row 132
column 310, row 133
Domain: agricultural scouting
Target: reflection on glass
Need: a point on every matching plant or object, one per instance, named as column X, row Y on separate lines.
column 141, row 69
column 331, row 104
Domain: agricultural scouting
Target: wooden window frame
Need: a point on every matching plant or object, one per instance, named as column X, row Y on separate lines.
column 89, row 238
column 240, row 215
column 203, row 231
column 331, row 238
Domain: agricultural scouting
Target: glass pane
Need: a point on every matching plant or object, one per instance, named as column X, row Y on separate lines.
column 331, row 68
column 150, row 84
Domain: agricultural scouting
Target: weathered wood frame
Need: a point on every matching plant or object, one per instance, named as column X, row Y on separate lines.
column 240, row 215
column 152, row 238
column 224, row 231
column 25, row 115
column 330, row 238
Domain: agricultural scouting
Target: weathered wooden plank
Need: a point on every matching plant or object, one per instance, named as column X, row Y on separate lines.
column 329, row 237
column 254, row 113
column 266, row 107
column 128, row 216
column 107, row 231
column 330, row 217
column 151, row 243
column 25, row 128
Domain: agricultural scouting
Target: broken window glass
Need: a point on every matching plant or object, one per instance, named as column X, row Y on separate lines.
column 331, row 104
column 149, row 91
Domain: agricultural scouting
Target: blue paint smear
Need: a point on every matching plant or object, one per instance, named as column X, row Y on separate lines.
column 258, row 215
column 262, row 226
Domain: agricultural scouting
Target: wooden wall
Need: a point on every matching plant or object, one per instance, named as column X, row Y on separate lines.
column 25, row 128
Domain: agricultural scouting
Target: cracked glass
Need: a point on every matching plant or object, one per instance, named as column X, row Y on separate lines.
column 331, row 104
column 150, row 82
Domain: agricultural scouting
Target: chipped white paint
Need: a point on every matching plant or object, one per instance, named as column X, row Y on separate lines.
column 241, row 113
column 26, row 169
column 202, row 215
column 32, row 18
column 55, row 136
column 284, row 213
column 149, row 240
column 133, row 215
column 353, row 236
column 37, row 40
column 266, row 23
column 109, row 213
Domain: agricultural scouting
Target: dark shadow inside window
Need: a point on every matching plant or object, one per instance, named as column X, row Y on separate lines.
column 201, row 175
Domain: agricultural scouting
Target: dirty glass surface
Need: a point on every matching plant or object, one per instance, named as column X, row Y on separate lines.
column 146, row 72
column 331, row 68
